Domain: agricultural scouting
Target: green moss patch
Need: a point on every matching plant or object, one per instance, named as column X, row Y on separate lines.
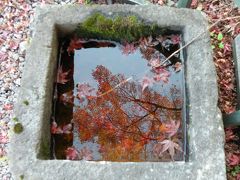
column 18, row 128
column 120, row 28
column 44, row 151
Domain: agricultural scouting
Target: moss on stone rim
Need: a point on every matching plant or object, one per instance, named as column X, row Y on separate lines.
column 120, row 29
column 44, row 151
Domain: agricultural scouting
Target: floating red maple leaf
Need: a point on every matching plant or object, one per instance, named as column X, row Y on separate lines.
column 67, row 97
column 72, row 153
column 66, row 129
column 62, row 76
column 163, row 76
column 178, row 66
column 86, row 154
column 170, row 146
column 154, row 62
column 75, row 43
column 128, row 48
column 146, row 82
column 176, row 39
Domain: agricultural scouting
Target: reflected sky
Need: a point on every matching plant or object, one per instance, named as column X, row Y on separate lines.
column 132, row 65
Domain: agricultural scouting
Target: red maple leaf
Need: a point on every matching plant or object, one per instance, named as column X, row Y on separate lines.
column 13, row 44
column 162, row 76
column 7, row 107
column 233, row 159
column 170, row 146
column 66, row 129
column 128, row 48
column 55, row 129
column 146, row 82
column 72, row 153
column 3, row 137
column 227, row 48
column 3, row 56
column 67, row 97
column 86, row 154
column 176, row 39
column 62, row 76
column 75, row 43
column 154, row 62
column 194, row 3
column 178, row 66
column 229, row 135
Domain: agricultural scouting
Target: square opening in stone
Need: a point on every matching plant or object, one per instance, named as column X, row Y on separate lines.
column 117, row 97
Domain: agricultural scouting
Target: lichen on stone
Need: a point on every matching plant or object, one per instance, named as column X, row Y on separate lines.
column 18, row 128
column 120, row 28
column 26, row 102
column 21, row 177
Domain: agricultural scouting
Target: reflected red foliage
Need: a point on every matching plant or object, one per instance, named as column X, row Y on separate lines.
column 127, row 120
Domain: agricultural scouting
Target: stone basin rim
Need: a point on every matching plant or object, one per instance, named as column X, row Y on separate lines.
column 206, row 140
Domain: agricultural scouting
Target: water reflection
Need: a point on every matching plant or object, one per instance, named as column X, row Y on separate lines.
column 126, row 106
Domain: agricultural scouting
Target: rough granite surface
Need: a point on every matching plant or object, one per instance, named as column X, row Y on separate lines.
column 205, row 129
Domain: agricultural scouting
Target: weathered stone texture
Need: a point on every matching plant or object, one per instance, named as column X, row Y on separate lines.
column 205, row 130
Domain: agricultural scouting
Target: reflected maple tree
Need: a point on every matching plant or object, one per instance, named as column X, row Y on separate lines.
column 126, row 118
column 128, row 121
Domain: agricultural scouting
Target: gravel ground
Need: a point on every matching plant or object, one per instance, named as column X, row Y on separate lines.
column 15, row 34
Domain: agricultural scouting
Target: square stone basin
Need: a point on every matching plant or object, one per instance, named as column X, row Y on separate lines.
column 29, row 150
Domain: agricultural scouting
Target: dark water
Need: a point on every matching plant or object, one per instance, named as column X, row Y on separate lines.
column 119, row 102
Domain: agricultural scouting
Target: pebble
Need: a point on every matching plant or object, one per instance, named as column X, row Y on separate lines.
column 22, row 46
column 15, row 56
column 18, row 81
